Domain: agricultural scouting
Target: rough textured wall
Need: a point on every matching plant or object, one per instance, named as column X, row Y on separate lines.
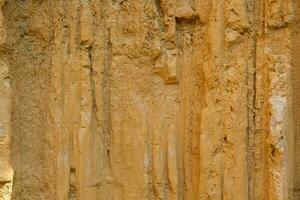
column 6, row 172
column 149, row 100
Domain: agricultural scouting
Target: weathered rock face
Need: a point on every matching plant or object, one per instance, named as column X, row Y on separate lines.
column 149, row 99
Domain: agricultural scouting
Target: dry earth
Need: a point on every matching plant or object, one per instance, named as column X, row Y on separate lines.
column 149, row 100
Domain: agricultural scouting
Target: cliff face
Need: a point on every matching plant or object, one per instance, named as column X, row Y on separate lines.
column 149, row 99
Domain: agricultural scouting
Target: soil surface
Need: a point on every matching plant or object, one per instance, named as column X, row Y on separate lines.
column 149, row 100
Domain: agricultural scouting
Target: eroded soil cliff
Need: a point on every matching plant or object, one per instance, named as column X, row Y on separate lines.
column 149, row 99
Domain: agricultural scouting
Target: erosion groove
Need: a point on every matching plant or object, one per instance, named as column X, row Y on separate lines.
column 149, row 100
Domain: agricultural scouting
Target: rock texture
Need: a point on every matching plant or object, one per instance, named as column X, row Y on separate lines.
column 149, row 100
